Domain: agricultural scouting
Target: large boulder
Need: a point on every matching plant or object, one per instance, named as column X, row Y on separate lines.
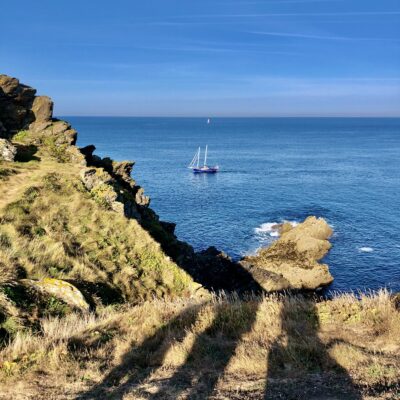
column 7, row 150
column 291, row 263
column 8, row 84
column 62, row 290
column 42, row 108
column 19, row 107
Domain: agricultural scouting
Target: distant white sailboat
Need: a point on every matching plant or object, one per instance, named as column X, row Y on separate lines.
column 208, row 120
column 195, row 164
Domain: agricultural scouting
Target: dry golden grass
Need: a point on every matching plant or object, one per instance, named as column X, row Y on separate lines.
column 345, row 348
column 51, row 227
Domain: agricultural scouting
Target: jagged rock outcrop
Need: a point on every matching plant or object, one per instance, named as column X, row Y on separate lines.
column 19, row 106
column 120, row 172
column 7, row 150
column 291, row 263
column 28, row 120
column 107, row 191
column 42, row 108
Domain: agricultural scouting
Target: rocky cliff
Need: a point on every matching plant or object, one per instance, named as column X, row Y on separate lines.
column 70, row 216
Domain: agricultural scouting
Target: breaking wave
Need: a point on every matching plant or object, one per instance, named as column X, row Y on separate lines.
column 366, row 249
column 269, row 230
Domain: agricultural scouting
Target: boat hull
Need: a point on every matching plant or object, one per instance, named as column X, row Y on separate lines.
column 205, row 170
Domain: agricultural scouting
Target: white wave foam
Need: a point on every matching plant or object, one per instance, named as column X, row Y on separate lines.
column 267, row 227
column 271, row 229
column 366, row 249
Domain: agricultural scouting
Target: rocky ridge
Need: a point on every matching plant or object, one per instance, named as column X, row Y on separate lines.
column 27, row 127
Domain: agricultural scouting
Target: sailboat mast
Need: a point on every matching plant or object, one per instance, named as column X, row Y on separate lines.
column 198, row 158
column 205, row 156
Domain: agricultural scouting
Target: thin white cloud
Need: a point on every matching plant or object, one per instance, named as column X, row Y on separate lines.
column 320, row 37
column 188, row 48
column 217, row 19
column 296, row 14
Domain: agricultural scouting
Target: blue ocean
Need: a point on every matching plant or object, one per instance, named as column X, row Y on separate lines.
column 346, row 170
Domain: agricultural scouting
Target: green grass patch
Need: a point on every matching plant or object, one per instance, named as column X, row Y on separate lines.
column 21, row 136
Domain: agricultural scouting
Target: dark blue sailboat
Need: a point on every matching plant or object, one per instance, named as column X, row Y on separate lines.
column 195, row 164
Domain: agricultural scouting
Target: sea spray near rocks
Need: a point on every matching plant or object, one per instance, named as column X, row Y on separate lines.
column 291, row 262
column 272, row 228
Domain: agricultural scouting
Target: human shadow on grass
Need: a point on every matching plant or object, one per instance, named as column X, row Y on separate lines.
column 191, row 379
column 299, row 358
column 138, row 362
column 212, row 351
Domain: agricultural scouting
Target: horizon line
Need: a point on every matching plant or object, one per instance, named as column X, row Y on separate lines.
column 229, row 116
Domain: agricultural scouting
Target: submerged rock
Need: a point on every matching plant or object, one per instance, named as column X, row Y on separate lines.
column 291, row 263
column 7, row 150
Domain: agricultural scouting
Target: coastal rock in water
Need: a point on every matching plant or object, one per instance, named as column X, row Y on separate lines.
column 291, row 263
column 60, row 289
column 7, row 150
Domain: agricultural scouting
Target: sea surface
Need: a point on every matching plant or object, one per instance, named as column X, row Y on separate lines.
column 272, row 170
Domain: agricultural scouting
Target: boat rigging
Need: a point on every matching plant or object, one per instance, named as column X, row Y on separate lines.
column 205, row 169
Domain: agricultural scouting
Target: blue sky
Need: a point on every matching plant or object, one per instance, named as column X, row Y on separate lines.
column 207, row 58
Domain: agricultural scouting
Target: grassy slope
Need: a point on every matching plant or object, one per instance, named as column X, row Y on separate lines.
column 287, row 348
column 52, row 227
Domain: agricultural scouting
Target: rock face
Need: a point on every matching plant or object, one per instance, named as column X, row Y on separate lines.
column 19, row 106
column 60, row 289
column 42, row 108
column 291, row 263
column 7, row 150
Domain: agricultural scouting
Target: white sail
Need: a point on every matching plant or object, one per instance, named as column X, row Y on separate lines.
column 195, row 160
column 205, row 156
